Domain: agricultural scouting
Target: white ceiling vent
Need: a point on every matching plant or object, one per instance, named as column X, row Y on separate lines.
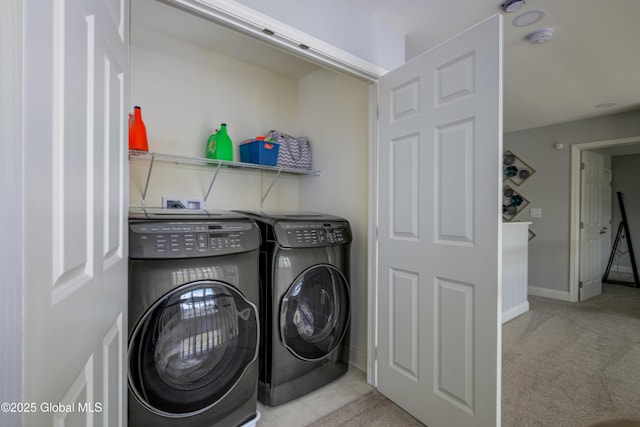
column 528, row 18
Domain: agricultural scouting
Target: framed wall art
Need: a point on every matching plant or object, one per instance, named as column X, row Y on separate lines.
column 515, row 169
column 512, row 203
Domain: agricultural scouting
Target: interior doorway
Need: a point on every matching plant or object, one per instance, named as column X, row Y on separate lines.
column 576, row 159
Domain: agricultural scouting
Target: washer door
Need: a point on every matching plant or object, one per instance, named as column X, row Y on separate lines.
column 314, row 313
column 192, row 347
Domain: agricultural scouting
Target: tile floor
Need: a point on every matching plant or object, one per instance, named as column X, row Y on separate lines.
column 304, row 410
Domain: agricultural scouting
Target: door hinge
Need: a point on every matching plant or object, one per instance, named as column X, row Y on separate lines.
column 581, row 225
column 582, row 165
column 580, row 284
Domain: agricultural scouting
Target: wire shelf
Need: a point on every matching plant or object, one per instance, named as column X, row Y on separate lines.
column 215, row 165
column 201, row 161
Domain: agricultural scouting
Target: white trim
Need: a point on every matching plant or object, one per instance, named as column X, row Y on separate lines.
column 516, row 311
column 358, row 359
column 372, row 247
column 621, row 274
column 574, row 225
column 624, row 269
column 549, row 293
column 12, row 186
column 251, row 22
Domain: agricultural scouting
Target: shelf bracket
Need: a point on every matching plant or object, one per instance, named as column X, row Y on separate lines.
column 264, row 197
column 215, row 174
column 207, row 163
column 146, row 185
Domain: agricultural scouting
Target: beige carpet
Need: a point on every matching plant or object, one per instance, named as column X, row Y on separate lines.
column 370, row 410
column 564, row 365
column 572, row 364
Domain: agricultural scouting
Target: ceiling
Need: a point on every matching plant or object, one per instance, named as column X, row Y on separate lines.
column 194, row 30
column 593, row 57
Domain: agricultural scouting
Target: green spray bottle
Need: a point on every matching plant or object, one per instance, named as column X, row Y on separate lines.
column 219, row 146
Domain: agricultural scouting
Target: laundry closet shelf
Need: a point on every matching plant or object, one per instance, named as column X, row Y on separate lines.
column 215, row 165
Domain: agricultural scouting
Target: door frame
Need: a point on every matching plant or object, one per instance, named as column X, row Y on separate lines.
column 11, row 256
column 225, row 12
column 372, row 236
column 574, row 224
column 609, row 177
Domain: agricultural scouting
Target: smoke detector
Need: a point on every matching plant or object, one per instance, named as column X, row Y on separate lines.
column 512, row 5
column 542, row 35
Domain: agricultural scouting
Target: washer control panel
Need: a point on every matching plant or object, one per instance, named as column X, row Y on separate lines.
column 191, row 239
column 312, row 234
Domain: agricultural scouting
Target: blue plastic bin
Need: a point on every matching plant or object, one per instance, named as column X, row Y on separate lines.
column 259, row 152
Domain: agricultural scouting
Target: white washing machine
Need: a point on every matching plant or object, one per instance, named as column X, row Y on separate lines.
column 305, row 300
column 193, row 318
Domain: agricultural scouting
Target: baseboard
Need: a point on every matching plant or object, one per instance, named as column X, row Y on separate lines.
column 358, row 359
column 626, row 269
column 515, row 311
column 549, row 293
column 624, row 273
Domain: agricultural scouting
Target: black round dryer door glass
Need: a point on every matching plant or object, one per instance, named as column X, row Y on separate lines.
column 192, row 347
column 314, row 312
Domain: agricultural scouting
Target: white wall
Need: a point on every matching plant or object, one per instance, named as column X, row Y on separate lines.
column 549, row 189
column 334, row 110
column 341, row 24
column 183, row 92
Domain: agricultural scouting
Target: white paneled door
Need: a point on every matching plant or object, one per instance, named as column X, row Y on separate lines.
column 440, row 145
column 75, row 98
column 592, row 223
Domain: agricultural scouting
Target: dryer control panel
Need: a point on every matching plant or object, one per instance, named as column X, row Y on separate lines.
column 191, row 239
column 312, row 234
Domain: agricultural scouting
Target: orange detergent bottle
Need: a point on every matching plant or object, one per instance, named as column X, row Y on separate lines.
column 137, row 131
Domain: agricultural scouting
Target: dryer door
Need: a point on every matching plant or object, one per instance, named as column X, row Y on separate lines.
column 314, row 312
column 192, row 347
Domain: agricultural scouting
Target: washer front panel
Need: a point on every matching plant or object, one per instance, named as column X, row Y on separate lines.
column 191, row 239
column 192, row 347
column 314, row 313
column 297, row 234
